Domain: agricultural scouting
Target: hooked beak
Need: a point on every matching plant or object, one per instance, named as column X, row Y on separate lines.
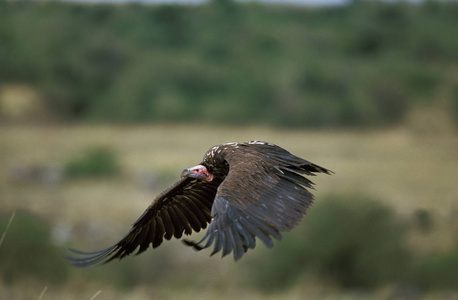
column 184, row 173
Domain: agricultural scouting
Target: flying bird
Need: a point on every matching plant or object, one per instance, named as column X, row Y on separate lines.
column 241, row 191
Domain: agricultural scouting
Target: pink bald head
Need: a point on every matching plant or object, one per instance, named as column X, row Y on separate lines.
column 198, row 172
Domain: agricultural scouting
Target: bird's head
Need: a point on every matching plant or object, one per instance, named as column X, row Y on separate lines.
column 198, row 172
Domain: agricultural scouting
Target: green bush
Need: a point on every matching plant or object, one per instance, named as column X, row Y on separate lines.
column 99, row 161
column 437, row 271
column 27, row 251
column 352, row 241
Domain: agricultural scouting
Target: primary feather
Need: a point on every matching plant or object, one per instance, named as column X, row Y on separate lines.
column 243, row 191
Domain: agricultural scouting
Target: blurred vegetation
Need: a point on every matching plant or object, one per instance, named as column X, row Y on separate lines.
column 27, row 251
column 98, row 161
column 354, row 242
column 438, row 271
column 455, row 104
column 365, row 64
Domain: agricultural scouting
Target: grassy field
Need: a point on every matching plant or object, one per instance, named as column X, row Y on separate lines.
column 401, row 168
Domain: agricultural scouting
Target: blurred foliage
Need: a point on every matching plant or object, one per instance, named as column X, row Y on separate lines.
column 364, row 64
column 455, row 103
column 437, row 271
column 98, row 161
column 27, row 251
column 423, row 221
column 354, row 242
column 152, row 268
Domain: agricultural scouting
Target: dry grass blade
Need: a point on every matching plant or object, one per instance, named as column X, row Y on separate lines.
column 43, row 292
column 95, row 295
column 7, row 227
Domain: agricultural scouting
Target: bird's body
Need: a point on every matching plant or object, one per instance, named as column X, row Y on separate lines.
column 242, row 190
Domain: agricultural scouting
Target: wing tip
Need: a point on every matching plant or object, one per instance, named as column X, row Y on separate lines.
column 91, row 259
column 192, row 244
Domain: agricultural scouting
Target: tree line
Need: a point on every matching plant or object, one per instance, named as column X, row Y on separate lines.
column 365, row 64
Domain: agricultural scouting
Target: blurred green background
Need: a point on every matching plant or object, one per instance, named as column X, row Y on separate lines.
column 102, row 106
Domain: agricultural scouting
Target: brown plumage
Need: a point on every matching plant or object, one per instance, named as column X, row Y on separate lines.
column 243, row 190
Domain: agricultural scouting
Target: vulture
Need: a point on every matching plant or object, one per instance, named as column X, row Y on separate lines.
column 241, row 191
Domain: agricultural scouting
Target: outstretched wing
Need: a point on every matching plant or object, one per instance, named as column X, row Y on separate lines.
column 264, row 193
column 182, row 208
